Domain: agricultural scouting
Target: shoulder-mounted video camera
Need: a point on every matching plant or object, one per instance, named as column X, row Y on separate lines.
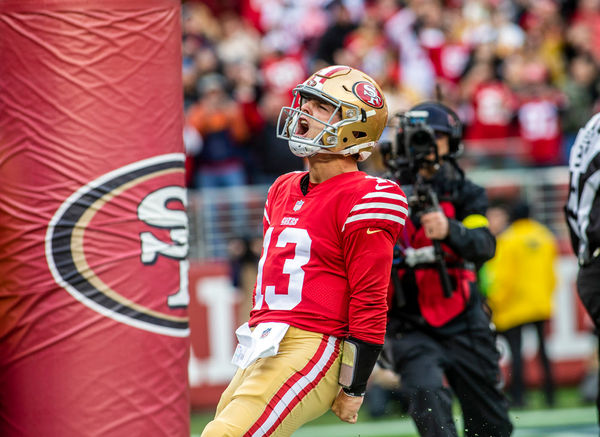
column 414, row 147
column 414, row 144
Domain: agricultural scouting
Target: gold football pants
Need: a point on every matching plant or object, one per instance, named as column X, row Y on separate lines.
column 276, row 395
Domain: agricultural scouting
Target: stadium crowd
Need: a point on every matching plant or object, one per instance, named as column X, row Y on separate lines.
column 522, row 74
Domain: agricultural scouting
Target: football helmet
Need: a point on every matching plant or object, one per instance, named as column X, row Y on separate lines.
column 356, row 98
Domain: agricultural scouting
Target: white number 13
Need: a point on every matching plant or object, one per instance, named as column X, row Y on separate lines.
column 292, row 267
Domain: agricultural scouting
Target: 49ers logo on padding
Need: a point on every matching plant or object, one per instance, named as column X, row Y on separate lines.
column 368, row 93
column 119, row 245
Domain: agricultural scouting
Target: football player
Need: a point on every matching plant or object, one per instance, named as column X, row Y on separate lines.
column 319, row 305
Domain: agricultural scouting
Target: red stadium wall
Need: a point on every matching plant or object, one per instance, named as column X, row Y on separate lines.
column 214, row 317
column 214, row 314
column 93, row 276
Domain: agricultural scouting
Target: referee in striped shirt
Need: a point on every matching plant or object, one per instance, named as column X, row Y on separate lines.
column 583, row 217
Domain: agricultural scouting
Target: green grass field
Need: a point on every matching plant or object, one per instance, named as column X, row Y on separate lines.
column 569, row 418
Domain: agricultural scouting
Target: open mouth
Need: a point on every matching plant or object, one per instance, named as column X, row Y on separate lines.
column 301, row 127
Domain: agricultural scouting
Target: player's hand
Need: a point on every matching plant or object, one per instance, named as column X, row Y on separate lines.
column 435, row 224
column 346, row 407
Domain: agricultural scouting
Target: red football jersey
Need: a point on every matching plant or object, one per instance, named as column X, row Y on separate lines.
column 540, row 128
column 493, row 109
column 310, row 267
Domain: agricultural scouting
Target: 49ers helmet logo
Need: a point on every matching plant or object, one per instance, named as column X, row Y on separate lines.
column 368, row 93
column 119, row 245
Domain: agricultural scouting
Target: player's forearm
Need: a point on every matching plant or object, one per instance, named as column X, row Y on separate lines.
column 358, row 359
column 369, row 263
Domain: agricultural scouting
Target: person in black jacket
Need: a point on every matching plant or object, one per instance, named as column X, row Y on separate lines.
column 439, row 338
column 583, row 218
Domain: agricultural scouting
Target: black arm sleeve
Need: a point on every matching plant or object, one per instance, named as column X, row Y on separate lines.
column 358, row 360
column 477, row 245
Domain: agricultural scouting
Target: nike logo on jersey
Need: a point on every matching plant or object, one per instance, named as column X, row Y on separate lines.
column 382, row 187
column 369, row 231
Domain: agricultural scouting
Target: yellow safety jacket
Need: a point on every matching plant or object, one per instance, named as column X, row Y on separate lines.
column 522, row 276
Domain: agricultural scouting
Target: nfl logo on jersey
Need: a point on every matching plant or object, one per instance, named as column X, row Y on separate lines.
column 265, row 333
column 298, row 205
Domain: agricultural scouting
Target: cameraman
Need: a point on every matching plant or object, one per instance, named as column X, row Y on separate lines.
column 438, row 333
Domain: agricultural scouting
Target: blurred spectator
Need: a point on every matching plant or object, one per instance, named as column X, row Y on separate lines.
column 494, row 108
column 220, row 122
column 218, row 163
column 437, row 30
column 333, row 38
column 190, row 47
column 510, row 36
column 246, row 91
column 579, row 39
column 540, row 106
column 200, row 30
column 544, row 41
column 368, row 46
column 199, row 21
column 417, row 75
column 240, row 42
column 586, row 27
column 498, row 218
column 522, row 279
column 477, row 26
column 281, row 72
column 271, row 155
column 581, row 93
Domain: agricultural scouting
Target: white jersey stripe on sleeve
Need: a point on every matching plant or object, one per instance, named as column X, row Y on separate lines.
column 267, row 216
column 386, row 195
column 381, row 205
column 368, row 216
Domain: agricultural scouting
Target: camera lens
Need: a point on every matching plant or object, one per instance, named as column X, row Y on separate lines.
column 385, row 147
column 421, row 138
column 422, row 142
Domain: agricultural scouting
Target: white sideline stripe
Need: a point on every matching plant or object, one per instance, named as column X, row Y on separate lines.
column 381, row 205
column 520, row 419
column 384, row 194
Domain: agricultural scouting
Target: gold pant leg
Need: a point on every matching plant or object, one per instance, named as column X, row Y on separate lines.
column 276, row 395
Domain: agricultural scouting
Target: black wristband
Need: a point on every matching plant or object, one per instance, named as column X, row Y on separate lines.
column 358, row 359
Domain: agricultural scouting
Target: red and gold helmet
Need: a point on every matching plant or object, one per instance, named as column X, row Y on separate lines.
column 356, row 98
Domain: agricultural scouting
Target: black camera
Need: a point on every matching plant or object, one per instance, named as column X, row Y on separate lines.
column 413, row 145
